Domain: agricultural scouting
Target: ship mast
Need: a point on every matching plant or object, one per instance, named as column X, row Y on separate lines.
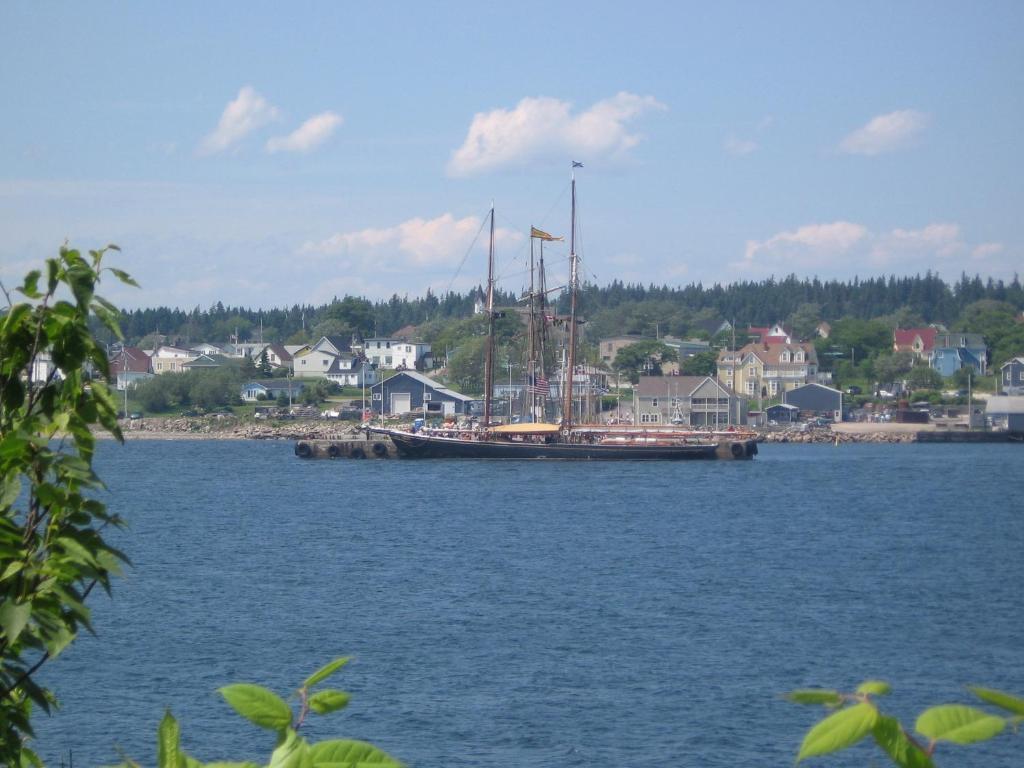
column 489, row 350
column 529, row 391
column 570, row 365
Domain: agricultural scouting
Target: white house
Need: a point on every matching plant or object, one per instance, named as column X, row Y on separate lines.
column 396, row 353
column 349, row 371
column 168, row 359
column 330, row 359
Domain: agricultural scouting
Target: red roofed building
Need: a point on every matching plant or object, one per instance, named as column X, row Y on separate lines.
column 919, row 341
column 776, row 334
column 130, row 366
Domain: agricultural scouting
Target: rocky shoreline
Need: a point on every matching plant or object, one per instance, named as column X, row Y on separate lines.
column 224, row 427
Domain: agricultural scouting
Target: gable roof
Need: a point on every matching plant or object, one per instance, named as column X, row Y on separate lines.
column 770, row 353
column 904, row 337
column 207, row 361
column 335, row 344
column 130, row 359
column 803, row 387
column 406, row 332
column 1011, row 361
column 671, row 386
column 949, row 340
column 426, row 381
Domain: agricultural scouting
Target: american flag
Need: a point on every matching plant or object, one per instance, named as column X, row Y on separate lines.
column 539, row 386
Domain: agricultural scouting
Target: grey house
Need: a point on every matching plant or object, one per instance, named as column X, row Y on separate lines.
column 1011, row 376
column 696, row 401
column 413, row 393
column 816, row 399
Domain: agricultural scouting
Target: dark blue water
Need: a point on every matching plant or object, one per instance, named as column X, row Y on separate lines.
column 548, row 614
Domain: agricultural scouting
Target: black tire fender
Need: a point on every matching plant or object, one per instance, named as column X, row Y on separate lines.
column 303, row 450
column 357, row 453
column 333, row 451
column 737, row 450
column 380, row 450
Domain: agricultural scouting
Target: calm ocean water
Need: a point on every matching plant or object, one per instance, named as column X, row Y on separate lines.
column 548, row 614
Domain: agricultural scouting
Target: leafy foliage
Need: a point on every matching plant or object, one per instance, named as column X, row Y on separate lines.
column 643, row 357
column 269, row 711
column 855, row 715
column 52, row 553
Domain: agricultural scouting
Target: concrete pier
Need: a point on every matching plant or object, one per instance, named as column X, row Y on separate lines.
column 360, row 447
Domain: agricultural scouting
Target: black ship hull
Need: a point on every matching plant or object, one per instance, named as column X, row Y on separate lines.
column 415, row 446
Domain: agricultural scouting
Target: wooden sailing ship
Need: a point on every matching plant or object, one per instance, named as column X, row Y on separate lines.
column 535, row 438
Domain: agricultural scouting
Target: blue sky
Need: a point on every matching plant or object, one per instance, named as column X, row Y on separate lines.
column 263, row 155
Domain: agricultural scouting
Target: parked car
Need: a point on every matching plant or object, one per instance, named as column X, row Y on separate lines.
column 853, row 390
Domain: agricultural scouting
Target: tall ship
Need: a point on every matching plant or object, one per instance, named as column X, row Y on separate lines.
column 536, row 438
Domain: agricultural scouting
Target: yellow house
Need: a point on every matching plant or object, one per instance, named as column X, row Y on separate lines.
column 767, row 370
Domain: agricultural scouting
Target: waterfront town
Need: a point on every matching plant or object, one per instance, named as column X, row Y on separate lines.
column 765, row 377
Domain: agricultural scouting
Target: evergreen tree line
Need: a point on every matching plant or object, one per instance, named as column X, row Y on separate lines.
column 610, row 309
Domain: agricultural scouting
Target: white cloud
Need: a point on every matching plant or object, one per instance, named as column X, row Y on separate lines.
column 543, row 127
column 810, row 241
column 938, row 240
column 986, row 250
column 885, row 133
column 311, row 134
column 243, row 115
column 739, row 147
column 417, row 242
column 844, row 249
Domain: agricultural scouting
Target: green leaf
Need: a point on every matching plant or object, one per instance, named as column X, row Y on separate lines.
column 168, row 742
column 59, row 639
column 323, row 702
column 291, row 752
column 326, row 671
column 838, row 731
column 874, row 687
column 958, row 724
column 10, row 488
column 30, row 287
column 350, row 752
column 124, row 277
column 13, row 618
column 258, row 705
column 815, row 696
column 889, row 735
column 231, row 765
column 1000, row 699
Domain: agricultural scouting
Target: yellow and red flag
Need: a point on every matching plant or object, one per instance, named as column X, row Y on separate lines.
column 540, row 234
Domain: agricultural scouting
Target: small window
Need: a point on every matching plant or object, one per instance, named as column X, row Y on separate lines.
column 654, row 402
column 426, row 396
column 376, row 395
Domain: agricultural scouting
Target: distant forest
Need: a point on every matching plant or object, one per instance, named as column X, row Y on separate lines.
column 609, row 310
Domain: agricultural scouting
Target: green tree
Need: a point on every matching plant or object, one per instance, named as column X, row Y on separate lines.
column 701, row 364
column 644, row 357
column 466, row 365
column 264, row 366
column 924, row 377
column 805, row 320
column 893, row 367
column 52, row 555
